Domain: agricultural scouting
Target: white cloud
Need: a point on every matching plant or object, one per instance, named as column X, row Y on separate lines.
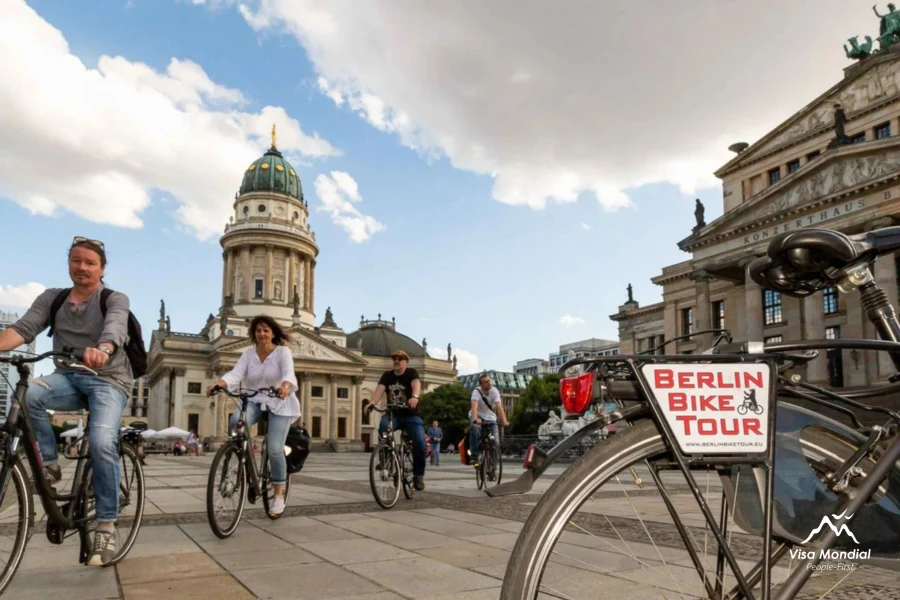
column 338, row 192
column 557, row 99
column 570, row 321
column 466, row 362
column 585, row 226
column 96, row 141
column 20, row 296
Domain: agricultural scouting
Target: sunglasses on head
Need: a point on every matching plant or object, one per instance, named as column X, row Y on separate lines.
column 83, row 240
column 398, row 358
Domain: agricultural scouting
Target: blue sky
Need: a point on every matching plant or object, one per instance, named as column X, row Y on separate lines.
column 465, row 255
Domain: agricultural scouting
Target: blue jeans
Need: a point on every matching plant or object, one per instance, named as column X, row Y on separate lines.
column 415, row 429
column 276, row 436
column 435, row 452
column 67, row 392
column 475, row 436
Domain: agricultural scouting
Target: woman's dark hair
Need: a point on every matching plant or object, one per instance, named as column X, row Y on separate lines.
column 279, row 336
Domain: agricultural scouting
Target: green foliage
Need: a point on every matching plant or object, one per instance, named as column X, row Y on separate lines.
column 542, row 393
column 449, row 406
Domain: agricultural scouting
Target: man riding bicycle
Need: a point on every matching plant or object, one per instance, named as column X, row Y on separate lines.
column 80, row 323
column 485, row 398
column 402, row 385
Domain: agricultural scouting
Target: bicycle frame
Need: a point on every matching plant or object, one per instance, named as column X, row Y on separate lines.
column 241, row 438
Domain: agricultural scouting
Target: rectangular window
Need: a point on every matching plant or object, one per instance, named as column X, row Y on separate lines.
column 793, row 166
column 883, row 131
column 194, row 387
column 812, row 156
column 859, row 138
column 687, row 321
column 342, row 427
column 317, row 391
column 258, row 293
column 194, row 422
column 343, row 392
column 832, row 333
column 718, row 314
column 317, row 427
column 773, row 339
column 774, row 176
column 830, row 296
column 771, row 307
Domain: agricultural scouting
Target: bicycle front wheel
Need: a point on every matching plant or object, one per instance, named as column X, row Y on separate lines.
column 384, row 476
column 225, row 491
column 409, row 489
column 495, row 472
column 16, row 516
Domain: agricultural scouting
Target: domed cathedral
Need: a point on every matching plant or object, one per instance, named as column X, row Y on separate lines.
column 269, row 264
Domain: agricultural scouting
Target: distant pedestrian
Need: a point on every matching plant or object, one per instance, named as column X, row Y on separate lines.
column 435, row 435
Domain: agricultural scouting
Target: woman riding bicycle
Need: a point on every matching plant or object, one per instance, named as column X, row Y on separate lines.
column 269, row 363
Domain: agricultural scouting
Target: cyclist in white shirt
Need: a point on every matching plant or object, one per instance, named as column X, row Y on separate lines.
column 485, row 400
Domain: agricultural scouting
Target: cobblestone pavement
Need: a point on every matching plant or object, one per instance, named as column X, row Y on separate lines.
column 450, row 541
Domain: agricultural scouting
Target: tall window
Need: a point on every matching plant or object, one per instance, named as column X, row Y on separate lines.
column 793, row 166
column 317, row 427
column 317, row 391
column 718, row 314
column 343, row 392
column 771, row 307
column 342, row 427
column 259, row 289
column 687, row 321
column 831, row 300
column 774, row 176
column 883, row 131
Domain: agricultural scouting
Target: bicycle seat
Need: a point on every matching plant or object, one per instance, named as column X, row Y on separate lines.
column 800, row 263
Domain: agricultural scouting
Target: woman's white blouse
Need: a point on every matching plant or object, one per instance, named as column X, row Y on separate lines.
column 275, row 370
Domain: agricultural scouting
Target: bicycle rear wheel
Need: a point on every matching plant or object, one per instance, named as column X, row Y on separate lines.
column 16, row 517
column 268, row 487
column 131, row 501
column 409, row 489
column 494, row 472
column 384, row 475
column 225, row 491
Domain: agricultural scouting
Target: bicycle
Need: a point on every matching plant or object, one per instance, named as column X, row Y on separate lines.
column 813, row 477
column 750, row 404
column 490, row 466
column 390, row 466
column 237, row 452
column 77, row 513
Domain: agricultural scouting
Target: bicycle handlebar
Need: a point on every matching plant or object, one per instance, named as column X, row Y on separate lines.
column 388, row 407
column 68, row 352
column 243, row 394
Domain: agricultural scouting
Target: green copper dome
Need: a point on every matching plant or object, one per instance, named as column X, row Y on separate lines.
column 271, row 173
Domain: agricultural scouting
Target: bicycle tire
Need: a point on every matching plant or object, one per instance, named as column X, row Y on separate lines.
column 479, row 472
column 498, row 460
column 22, row 486
column 409, row 489
column 383, row 451
column 226, row 450
column 742, row 409
column 264, row 484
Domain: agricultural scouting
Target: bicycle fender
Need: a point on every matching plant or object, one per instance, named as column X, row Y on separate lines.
column 542, row 461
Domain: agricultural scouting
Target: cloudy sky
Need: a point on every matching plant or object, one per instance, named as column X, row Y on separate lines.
column 492, row 174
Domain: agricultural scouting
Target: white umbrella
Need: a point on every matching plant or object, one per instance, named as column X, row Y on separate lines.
column 149, row 433
column 172, row 432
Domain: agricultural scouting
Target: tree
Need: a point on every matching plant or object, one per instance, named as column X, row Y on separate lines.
column 535, row 403
column 449, row 406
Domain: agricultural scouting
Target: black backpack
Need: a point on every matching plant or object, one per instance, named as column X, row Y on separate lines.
column 134, row 345
column 298, row 441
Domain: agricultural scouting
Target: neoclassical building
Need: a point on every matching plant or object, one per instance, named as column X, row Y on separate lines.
column 269, row 267
column 834, row 164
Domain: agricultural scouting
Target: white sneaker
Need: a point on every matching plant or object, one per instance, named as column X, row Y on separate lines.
column 277, row 506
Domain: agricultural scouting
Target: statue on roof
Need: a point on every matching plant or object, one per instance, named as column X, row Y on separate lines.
column 454, row 362
column 840, row 136
column 329, row 318
column 449, row 352
column 889, row 29
column 168, row 324
column 162, row 309
column 858, row 51
column 274, row 136
column 699, row 212
column 425, row 346
column 630, row 297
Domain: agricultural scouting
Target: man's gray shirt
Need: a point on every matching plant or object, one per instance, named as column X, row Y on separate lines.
column 84, row 327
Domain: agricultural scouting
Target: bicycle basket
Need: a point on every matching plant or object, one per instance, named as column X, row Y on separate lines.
column 802, row 501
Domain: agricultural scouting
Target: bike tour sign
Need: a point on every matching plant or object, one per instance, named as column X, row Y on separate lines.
column 714, row 408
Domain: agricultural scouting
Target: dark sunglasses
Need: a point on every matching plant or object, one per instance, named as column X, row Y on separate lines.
column 82, row 240
column 398, row 358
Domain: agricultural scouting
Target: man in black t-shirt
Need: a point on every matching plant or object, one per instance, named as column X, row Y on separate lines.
column 401, row 385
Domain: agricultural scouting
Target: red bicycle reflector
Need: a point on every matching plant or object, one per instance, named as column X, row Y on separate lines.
column 528, row 457
column 576, row 392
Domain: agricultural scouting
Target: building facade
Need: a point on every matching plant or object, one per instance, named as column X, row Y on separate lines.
column 835, row 164
column 510, row 386
column 269, row 265
column 537, row 367
column 533, row 367
column 9, row 377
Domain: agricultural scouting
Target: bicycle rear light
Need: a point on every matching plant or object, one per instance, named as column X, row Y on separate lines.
column 529, row 455
column 576, row 392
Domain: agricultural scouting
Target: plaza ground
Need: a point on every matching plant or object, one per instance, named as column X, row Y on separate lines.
column 449, row 542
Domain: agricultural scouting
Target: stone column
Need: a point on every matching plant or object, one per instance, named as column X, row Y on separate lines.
column 269, row 289
column 306, row 402
column 332, row 405
column 228, row 284
column 702, row 310
column 886, row 277
column 814, row 329
column 355, row 410
column 312, row 286
column 753, row 315
column 248, row 284
column 670, row 326
column 225, row 256
column 289, row 281
column 306, row 270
